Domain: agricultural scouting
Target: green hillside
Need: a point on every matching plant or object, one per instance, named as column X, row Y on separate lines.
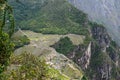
column 59, row 17
column 51, row 16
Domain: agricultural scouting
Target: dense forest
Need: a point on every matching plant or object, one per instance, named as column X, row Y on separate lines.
column 36, row 43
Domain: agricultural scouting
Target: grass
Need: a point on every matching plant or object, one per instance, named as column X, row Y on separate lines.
column 50, row 39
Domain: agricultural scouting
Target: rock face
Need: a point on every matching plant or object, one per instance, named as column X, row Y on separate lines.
column 107, row 54
column 81, row 55
column 85, row 59
column 100, row 58
column 102, row 11
column 101, row 36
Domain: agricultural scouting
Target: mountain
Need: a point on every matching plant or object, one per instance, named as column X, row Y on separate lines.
column 49, row 16
column 105, row 12
column 67, row 39
column 40, row 46
column 99, row 59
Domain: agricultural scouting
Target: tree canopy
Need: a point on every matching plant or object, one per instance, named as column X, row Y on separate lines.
column 6, row 46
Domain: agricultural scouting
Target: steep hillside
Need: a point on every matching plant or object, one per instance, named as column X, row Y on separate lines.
column 49, row 16
column 102, row 11
column 27, row 66
column 91, row 49
column 19, row 39
column 40, row 46
column 99, row 59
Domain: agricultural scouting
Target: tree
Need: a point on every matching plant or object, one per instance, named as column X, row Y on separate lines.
column 84, row 78
column 64, row 45
column 6, row 46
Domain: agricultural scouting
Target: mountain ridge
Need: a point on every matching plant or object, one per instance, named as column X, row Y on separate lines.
column 105, row 12
column 60, row 17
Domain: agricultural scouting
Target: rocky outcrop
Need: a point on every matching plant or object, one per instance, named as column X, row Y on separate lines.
column 102, row 11
column 101, row 36
column 101, row 56
column 81, row 55
column 85, row 59
column 105, row 72
column 105, row 55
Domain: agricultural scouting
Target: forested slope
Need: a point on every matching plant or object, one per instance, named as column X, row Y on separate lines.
column 98, row 55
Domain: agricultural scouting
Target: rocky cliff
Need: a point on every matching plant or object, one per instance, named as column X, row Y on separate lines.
column 69, row 38
column 102, row 11
column 106, row 67
column 99, row 59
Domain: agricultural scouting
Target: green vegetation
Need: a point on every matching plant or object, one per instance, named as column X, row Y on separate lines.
column 53, row 17
column 94, row 24
column 100, row 58
column 113, row 43
column 28, row 67
column 87, row 40
column 64, row 46
column 6, row 46
column 6, row 18
column 20, row 41
column 84, row 78
column 60, row 17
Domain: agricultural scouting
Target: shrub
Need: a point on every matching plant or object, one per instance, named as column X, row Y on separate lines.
column 64, row 46
column 6, row 48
